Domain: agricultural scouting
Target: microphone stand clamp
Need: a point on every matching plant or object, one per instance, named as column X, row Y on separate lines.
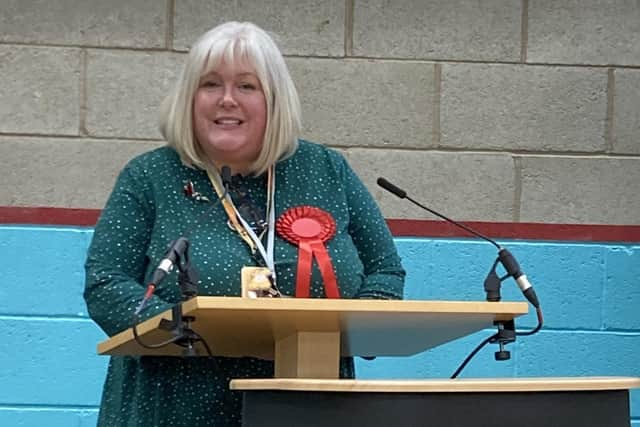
column 506, row 334
column 506, row 329
column 180, row 326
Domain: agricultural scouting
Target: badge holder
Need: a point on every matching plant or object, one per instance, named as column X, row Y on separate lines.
column 257, row 282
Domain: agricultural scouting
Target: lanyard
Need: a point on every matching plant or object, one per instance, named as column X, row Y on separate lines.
column 242, row 227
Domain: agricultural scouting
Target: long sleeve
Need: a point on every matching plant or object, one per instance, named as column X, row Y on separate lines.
column 116, row 262
column 384, row 275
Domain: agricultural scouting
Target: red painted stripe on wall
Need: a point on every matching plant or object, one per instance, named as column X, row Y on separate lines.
column 48, row 216
column 519, row 230
column 399, row 227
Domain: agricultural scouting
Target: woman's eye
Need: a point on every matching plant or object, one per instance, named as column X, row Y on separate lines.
column 210, row 83
column 247, row 86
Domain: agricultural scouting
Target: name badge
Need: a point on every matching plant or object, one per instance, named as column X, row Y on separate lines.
column 255, row 281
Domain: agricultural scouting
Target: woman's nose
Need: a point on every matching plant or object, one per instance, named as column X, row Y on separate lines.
column 228, row 100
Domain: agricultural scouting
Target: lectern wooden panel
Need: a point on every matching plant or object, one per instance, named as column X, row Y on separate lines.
column 295, row 330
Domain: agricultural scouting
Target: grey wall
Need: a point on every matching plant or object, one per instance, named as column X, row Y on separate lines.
column 495, row 110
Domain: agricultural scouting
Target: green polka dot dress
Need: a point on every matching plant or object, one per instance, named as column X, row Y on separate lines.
column 148, row 209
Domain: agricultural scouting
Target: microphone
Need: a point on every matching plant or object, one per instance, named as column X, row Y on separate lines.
column 513, row 269
column 178, row 249
column 508, row 261
column 180, row 246
column 391, row 188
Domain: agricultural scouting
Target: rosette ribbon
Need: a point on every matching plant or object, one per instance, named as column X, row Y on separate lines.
column 309, row 228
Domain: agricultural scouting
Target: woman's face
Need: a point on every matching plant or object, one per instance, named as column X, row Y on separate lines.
column 230, row 115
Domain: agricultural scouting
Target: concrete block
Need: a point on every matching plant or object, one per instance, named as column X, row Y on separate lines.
column 125, row 90
column 121, row 23
column 519, row 107
column 462, row 186
column 302, row 27
column 458, row 29
column 366, row 103
column 50, row 362
column 43, row 261
column 622, row 293
column 40, row 90
column 580, row 190
column 24, row 417
column 584, row 32
column 58, row 172
column 443, row 269
column 626, row 112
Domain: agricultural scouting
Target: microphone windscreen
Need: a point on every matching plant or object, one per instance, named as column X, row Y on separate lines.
column 391, row 188
column 177, row 249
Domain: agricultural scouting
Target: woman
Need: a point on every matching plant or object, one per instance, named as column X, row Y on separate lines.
column 234, row 106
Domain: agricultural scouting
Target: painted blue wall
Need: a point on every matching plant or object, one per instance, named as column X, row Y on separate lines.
column 50, row 374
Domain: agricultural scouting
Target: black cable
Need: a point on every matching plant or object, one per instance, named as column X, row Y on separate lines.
column 204, row 343
column 534, row 330
column 493, row 337
column 143, row 344
column 473, row 353
column 138, row 340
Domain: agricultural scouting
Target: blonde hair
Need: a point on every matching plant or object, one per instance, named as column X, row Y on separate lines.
column 230, row 42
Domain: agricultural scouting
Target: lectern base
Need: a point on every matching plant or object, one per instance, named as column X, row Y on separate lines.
column 269, row 408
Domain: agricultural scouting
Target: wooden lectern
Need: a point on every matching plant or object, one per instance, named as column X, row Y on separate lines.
column 306, row 337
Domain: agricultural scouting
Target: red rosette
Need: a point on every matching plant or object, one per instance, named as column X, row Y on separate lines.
column 309, row 228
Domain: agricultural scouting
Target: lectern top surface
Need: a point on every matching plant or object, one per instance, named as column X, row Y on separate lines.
column 237, row 327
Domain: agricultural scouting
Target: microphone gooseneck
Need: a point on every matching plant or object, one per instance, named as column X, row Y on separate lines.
column 504, row 256
column 403, row 195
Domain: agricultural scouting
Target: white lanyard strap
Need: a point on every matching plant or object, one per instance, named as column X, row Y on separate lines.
column 255, row 243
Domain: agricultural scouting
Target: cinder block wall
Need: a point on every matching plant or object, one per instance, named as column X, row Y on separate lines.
column 501, row 110
column 51, row 375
